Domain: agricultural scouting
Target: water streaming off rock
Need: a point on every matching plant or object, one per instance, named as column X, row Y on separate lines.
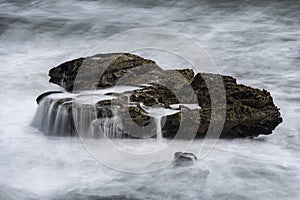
column 72, row 114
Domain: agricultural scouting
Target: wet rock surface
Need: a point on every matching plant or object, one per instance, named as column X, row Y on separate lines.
column 98, row 71
column 249, row 112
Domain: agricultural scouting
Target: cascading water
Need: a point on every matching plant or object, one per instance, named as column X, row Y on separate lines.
column 52, row 118
column 107, row 126
column 83, row 116
column 158, row 128
column 69, row 115
column 158, row 113
column 69, row 119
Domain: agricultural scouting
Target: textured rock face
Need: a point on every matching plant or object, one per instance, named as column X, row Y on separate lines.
column 249, row 112
column 98, row 71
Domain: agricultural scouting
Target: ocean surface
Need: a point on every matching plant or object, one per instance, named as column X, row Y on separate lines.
column 258, row 42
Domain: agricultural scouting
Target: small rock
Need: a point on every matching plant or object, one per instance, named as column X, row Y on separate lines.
column 184, row 159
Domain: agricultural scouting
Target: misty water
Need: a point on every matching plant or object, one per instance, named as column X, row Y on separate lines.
column 258, row 42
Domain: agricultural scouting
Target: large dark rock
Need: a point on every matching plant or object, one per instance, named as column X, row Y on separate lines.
column 249, row 112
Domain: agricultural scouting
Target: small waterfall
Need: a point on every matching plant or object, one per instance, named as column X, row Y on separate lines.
column 58, row 124
column 83, row 116
column 158, row 113
column 109, row 126
column 52, row 118
column 60, row 117
column 62, row 81
column 159, row 135
column 63, row 117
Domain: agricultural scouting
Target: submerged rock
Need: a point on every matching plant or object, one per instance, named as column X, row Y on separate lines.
column 184, row 159
column 249, row 111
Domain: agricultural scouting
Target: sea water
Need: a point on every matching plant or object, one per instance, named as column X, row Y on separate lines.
column 257, row 42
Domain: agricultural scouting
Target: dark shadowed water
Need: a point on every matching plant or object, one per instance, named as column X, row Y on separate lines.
column 258, row 42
